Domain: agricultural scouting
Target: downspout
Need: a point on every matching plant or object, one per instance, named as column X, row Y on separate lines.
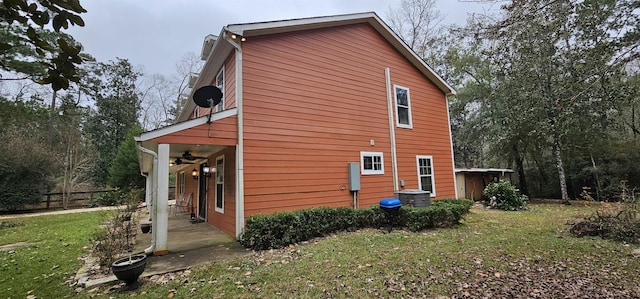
column 147, row 196
column 392, row 130
column 453, row 160
column 154, row 195
column 240, row 145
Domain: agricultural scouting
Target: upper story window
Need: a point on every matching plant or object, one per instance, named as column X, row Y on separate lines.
column 220, row 84
column 372, row 163
column 403, row 107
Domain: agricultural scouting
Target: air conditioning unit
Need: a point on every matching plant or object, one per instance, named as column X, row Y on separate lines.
column 414, row 198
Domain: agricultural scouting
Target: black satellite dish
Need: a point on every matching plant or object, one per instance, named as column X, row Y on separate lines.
column 207, row 97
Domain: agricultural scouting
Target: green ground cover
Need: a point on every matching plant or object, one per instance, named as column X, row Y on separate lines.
column 49, row 258
column 492, row 254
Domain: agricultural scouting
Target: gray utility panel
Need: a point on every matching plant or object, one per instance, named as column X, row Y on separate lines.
column 354, row 176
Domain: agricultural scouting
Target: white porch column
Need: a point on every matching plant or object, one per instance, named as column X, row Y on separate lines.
column 162, row 202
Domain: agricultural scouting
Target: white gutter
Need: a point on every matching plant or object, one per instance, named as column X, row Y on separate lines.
column 154, row 195
column 240, row 145
column 392, row 130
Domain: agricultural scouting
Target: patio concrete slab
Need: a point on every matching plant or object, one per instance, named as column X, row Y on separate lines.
column 190, row 244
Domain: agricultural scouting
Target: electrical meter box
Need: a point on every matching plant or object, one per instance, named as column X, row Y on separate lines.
column 354, row 176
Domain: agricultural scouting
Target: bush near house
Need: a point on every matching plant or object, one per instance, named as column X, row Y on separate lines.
column 504, row 196
column 285, row 228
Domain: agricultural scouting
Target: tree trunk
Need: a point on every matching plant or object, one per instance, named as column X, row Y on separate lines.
column 561, row 175
column 51, row 111
column 633, row 121
column 520, row 169
column 595, row 175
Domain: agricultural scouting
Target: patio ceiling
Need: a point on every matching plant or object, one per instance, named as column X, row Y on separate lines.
column 176, row 151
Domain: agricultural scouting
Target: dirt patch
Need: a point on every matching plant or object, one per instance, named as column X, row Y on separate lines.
column 14, row 246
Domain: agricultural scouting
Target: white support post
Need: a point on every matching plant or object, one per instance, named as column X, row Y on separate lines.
column 162, row 202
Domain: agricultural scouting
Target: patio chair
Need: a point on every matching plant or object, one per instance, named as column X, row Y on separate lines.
column 184, row 204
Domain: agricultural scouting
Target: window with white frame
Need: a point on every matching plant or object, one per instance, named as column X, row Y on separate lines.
column 403, row 107
column 220, row 84
column 425, row 174
column 220, row 184
column 181, row 184
column 371, row 163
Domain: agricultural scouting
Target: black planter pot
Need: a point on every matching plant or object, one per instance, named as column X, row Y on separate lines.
column 145, row 227
column 128, row 269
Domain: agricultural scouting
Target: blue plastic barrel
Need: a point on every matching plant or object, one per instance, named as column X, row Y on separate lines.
column 390, row 203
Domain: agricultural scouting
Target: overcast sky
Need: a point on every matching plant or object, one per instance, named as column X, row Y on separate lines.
column 155, row 35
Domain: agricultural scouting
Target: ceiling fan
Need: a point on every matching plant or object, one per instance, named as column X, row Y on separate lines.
column 188, row 156
column 178, row 161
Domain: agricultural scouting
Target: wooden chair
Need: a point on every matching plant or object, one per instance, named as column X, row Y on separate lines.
column 184, row 204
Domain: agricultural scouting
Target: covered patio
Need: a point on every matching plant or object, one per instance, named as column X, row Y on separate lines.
column 202, row 153
column 189, row 244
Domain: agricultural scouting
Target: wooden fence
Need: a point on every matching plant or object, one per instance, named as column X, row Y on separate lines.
column 78, row 199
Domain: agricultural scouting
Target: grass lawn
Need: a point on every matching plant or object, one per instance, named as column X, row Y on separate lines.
column 493, row 254
column 50, row 257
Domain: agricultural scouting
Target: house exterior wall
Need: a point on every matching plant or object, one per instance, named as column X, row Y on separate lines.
column 190, row 185
column 230, row 81
column 313, row 100
column 229, row 92
column 225, row 220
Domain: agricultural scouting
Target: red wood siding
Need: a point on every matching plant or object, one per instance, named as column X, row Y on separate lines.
column 230, row 82
column 220, row 132
column 224, row 221
column 429, row 135
column 313, row 100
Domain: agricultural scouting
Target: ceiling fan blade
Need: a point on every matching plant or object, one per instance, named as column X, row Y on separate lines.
column 179, row 161
column 188, row 156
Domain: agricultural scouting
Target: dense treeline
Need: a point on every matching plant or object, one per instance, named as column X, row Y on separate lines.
column 67, row 121
column 554, row 95
column 549, row 88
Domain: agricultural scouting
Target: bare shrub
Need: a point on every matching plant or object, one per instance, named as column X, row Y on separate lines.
column 619, row 221
column 118, row 233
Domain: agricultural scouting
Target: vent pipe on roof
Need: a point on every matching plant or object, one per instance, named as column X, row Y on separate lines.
column 193, row 77
column 207, row 45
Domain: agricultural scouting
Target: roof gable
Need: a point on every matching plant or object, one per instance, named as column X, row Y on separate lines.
column 222, row 47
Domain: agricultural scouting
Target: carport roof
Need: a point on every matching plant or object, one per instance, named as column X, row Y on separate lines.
column 483, row 170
